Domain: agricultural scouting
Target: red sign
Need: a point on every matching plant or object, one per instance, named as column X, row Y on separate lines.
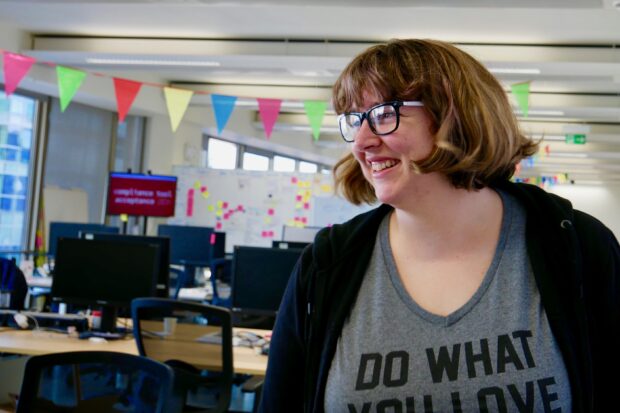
column 143, row 195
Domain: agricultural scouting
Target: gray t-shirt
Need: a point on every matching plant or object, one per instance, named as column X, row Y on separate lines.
column 494, row 354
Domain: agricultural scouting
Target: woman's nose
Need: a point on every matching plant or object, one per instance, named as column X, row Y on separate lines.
column 366, row 137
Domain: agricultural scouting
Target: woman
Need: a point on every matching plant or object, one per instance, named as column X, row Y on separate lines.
column 462, row 291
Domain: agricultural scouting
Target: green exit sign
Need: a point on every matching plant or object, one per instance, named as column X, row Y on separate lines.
column 577, row 139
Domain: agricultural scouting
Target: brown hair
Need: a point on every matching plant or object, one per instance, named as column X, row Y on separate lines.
column 477, row 136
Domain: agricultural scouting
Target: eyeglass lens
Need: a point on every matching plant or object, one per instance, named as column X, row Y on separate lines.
column 381, row 119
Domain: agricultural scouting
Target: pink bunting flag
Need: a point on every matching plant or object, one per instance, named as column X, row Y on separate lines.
column 15, row 68
column 126, row 91
column 269, row 110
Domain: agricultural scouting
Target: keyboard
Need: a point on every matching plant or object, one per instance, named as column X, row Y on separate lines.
column 46, row 320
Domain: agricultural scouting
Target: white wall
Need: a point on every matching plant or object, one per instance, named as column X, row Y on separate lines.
column 602, row 202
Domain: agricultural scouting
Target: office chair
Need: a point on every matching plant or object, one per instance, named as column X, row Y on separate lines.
column 97, row 381
column 13, row 285
column 196, row 341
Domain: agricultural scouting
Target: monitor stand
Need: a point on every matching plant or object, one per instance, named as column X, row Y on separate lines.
column 108, row 319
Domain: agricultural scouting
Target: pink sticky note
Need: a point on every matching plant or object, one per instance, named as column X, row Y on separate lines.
column 212, row 240
column 293, row 180
column 224, row 205
column 190, row 203
column 239, row 207
column 226, row 216
column 203, row 189
column 218, row 225
column 270, row 211
column 306, row 205
column 298, row 198
column 263, row 234
column 304, row 220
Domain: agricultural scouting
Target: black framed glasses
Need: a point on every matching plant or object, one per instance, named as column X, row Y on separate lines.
column 382, row 119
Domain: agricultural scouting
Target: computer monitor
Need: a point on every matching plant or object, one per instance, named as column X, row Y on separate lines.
column 196, row 246
column 259, row 278
column 299, row 234
column 290, row 244
column 104, row 273
column 163, row 279
column 72, row 230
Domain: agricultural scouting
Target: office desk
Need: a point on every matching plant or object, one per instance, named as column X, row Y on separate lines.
column 31, row 342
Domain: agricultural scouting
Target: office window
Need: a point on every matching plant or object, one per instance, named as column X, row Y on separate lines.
column 283, row 164
column 221, row 154
column 255, row 162
column 17, row 142
column 129, row 144
column 78, row 155
column 307, row 167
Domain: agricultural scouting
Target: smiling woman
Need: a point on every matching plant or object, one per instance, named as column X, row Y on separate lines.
column 453, row 293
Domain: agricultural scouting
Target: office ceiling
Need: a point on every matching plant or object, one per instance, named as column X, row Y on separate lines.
column 568, row 49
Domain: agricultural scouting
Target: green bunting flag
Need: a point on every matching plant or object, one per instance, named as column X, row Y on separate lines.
column 315, row 110
column 69, row 81
column 521, row 92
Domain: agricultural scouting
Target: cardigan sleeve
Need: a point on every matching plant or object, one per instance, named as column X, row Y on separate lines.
column 284, row 382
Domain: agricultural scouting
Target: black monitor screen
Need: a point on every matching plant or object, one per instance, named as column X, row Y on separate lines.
column 193, row 245
column 112, row 273
column 289, row 244
column 259, row 278
column 164, row 254
column 73, row 230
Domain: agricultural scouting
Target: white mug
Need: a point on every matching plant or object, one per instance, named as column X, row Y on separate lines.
column 170, row 325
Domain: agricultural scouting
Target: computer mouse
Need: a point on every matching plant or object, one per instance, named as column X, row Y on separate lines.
column 97, row 340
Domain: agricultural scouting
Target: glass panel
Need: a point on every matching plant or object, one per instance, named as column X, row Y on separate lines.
column 221, row 154
column 254, row 162
column 17, row 128
column 307, row 167
column 128, row 155
column 283, row 164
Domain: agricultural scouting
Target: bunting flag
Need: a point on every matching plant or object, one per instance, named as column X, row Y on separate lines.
column 521, row 92
column 15, row 68
column 69, row 81
column 222, row 107
column 315, row 110
column 269, row 110
column 126, row 92
column 177, row 101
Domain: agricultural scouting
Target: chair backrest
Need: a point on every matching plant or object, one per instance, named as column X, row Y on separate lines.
column 12, row 284
column 97, row 381
column 193, row 338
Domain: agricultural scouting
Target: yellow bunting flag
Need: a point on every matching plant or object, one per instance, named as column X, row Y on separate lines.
column 177, row 101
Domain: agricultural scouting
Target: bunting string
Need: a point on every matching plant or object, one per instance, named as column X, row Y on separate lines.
column 70, row 79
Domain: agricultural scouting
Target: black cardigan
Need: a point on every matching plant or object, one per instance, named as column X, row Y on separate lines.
column 576, row 264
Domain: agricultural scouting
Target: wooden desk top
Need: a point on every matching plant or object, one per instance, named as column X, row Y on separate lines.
column 33, row 342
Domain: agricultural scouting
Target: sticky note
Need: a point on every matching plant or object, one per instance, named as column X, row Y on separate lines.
column 270, row 211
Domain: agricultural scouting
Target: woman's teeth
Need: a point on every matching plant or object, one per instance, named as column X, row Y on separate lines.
column 379, row 166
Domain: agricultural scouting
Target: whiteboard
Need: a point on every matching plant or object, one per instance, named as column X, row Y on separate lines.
column 253, row 207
